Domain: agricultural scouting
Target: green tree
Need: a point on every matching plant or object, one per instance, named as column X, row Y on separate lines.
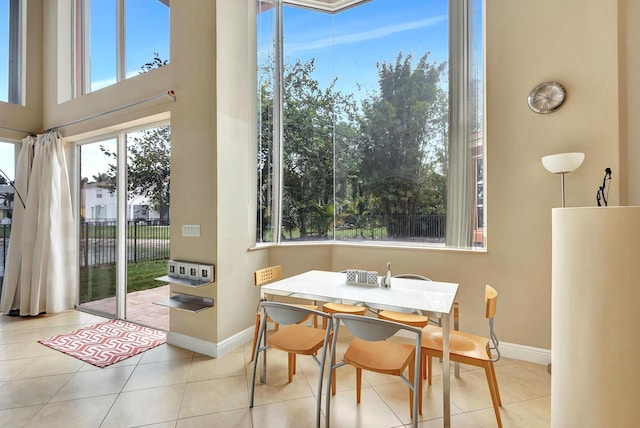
column 309, row 119
column 310, row 116
column 402, row 143
column 149, row 172
column 148, row 167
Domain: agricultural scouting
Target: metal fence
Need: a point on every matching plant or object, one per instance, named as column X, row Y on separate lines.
column 149, row 240
column 146, row 240
column 414, row 228
column 5, row 231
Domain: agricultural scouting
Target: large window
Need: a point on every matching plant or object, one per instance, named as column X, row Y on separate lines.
column 8, row 199
column 11, row 22
column 118, row 39
column 370, row 122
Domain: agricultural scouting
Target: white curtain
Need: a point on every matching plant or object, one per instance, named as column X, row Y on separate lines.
column 40, row 271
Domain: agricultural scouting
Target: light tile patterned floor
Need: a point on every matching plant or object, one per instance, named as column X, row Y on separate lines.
column 172, row 387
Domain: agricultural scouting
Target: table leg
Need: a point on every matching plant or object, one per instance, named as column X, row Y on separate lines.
column 446, row 372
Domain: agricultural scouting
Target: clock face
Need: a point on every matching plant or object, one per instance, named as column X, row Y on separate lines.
column 546, row 97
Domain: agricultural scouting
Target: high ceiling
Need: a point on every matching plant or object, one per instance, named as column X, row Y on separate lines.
column 331, row 6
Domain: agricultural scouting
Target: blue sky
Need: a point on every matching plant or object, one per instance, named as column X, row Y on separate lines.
column 4, row 54
column 147, row 31
column 349, row 44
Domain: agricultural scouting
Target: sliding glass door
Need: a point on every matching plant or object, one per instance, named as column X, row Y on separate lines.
column 98, row 218
column 124, row 227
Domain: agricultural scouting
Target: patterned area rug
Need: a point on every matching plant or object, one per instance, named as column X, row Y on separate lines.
column 106, row 343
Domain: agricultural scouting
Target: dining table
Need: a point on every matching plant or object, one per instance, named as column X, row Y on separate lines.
column 431, row 298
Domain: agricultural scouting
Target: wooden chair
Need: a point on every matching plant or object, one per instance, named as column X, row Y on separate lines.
column 407, row 318
column 293, row 339
column 417, row 320
column 370, row 350
column 342, row 308
column 470, row 349
column 263, row 276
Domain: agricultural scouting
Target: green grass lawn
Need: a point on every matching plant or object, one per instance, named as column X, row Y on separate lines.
column 100, row 282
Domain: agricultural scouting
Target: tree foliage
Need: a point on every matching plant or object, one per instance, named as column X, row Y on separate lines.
column 148, row 167
column 384, row 156
column 399, row 127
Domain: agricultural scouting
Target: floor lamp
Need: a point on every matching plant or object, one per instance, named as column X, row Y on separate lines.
column 563, row 163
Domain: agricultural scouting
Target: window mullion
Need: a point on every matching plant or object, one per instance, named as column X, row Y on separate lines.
column 15, row 50
column 278, row 128
column 120, row 40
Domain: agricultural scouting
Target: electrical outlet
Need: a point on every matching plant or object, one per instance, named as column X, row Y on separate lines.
column 191, row 230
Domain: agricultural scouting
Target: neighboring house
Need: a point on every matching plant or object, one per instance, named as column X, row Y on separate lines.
column 99, row 204
column 6, row 203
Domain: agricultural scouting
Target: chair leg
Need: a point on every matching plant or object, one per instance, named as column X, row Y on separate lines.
column 290, row 365
column 493, row 389
column 255, row 335
column 495, row 382
column 358, row 384
column 411, row 391
column 429, row 369
column 333, row 376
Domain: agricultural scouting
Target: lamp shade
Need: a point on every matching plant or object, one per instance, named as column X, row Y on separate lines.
column 563, row 162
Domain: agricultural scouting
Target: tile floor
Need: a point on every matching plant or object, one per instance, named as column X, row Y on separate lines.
column 172, row 387
column 140, row 307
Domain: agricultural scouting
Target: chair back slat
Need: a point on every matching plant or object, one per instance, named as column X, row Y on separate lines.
column 371, row 329
column 412, row 276
column 268, row 274
column 491, row 300
column 286, row 314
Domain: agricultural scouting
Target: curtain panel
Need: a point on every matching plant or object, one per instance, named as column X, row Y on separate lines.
column 41, row 260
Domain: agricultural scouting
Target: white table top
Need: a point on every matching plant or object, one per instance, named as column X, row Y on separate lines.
column 431, row 298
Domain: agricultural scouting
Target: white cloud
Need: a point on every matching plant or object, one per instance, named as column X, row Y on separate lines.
column 365, row 35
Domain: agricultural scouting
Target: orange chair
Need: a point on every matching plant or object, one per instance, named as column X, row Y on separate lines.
column 470, row 349
column 293, row 339
column 407, row 318
column 342, row 308
column 263, row 276
column 370, row 350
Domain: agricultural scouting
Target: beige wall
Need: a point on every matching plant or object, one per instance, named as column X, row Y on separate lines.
column 212, row 67
column 29, row 116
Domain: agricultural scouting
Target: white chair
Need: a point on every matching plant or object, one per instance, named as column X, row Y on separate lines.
column 370, row 350
column 293, row 338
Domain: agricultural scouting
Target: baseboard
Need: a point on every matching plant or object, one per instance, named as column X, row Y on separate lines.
column 193, row 344
column 235, row 341
column 525, row 353
column 211, row 349
column 216, row 350
column 515, row 351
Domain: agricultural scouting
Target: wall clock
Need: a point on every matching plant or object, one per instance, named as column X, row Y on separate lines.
column 546, row 97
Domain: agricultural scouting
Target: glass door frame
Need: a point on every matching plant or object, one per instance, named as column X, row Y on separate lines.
column 120, row 136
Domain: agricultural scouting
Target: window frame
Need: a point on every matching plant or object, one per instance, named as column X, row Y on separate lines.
column 16, row 32
column 81, row 41
column 461, row 51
